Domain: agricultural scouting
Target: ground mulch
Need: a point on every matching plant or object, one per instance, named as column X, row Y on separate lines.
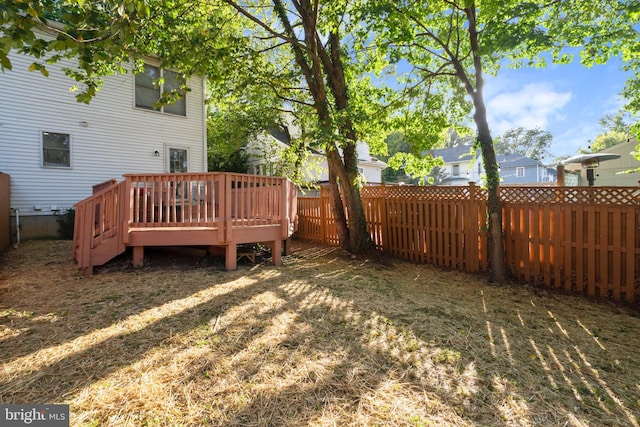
column 324, row 339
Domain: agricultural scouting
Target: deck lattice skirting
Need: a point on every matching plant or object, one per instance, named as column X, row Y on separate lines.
column 185, row 209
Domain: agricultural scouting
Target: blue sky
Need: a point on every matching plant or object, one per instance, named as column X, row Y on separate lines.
column 566, row 100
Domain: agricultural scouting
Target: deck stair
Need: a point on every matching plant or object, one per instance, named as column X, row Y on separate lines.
column 207, row 209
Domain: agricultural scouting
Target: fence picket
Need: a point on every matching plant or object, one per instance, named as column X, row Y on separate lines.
column 590, row 241
column 534, row 239
column 556, row 254
column 631, row 245
column 546, row 237
column 580, row 239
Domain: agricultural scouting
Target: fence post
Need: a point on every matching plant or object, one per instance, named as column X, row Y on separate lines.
column 472, row 255
column 384, row 226
column 323, row 218
column 5, row 211
column 560, row 175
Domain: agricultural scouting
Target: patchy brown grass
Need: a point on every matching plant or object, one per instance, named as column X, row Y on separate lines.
column 326, row 339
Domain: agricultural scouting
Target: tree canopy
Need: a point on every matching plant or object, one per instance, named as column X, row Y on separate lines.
column 338, row 66
column 532, row 143
column 189, row 37
column 616, row 128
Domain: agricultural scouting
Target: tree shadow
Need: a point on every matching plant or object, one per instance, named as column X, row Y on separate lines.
column 85, row 304
column 332, row 340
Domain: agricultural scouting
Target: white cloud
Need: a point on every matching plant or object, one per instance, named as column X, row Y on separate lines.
column 533, row 105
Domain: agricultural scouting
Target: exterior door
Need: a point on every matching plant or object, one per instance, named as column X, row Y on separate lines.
column 178, row 160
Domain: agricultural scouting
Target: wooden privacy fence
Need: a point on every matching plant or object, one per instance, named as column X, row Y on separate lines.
column 579, row 239
column 5, row 212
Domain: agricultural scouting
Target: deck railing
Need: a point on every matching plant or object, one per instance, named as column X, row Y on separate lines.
column 98, row 219
column 215, row 201
column 205, row 199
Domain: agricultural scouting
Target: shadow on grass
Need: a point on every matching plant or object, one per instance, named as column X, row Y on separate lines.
column 328, row 340
column 85, row 304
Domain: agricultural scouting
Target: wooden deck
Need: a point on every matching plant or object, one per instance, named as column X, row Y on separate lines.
column 188, row 209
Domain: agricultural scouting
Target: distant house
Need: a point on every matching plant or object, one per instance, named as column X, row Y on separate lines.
column 266, row 158
column 55, row 149
column 617, row 172
column 519, row 169
column 461, row 167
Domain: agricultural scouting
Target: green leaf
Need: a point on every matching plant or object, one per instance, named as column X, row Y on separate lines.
column 5, row 63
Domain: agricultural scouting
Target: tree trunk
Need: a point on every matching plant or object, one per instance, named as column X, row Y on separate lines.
column 322, row 68
column 338, row 207
column 356, row 237
column 347, row 167
column 497, row 266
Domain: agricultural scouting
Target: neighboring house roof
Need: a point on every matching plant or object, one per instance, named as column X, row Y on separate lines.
column 463, row 153
column 454, row 154
column 515, row 160
column 282, row 136
column 631, row 141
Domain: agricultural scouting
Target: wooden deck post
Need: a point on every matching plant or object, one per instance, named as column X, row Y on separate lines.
column 231, row 254
column 138, row 256
column 127, row 209
column 276, row 252
column 226, row 201
column 284, row 207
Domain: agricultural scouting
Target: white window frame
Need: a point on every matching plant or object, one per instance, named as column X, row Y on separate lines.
column 168, row 149
column 455, row 169
column 161, row 110
column 53, row 166
column 519, row 171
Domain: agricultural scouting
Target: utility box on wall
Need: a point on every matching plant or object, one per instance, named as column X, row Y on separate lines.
column 5, row 211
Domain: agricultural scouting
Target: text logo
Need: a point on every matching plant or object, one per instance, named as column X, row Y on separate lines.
column 34, row 415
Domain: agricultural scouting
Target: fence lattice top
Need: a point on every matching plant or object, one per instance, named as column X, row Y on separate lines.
column 572, row 195
column 512, row 194
column 419, row 192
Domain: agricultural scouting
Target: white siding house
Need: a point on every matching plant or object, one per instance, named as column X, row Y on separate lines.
column 264, row 154
column 55, row 149
column 460, row 166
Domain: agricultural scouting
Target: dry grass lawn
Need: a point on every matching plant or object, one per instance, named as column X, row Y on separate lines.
column 326, row 339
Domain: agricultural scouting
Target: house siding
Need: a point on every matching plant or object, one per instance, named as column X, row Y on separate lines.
column 315, row 168
column 616, row 172
column 117, row 137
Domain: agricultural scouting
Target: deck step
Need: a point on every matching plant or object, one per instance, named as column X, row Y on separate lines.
column 107, row 250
